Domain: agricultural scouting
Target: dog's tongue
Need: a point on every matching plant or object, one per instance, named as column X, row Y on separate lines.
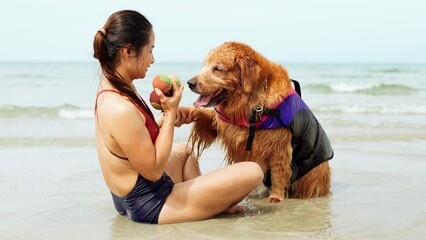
column 202, row 101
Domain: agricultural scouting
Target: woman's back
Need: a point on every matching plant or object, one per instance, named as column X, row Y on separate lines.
column 118, row 172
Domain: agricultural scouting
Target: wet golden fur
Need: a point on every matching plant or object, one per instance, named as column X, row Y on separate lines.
column 250, row 79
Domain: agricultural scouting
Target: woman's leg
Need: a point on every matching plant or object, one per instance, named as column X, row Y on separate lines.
column 210, row 194
column 182, row 164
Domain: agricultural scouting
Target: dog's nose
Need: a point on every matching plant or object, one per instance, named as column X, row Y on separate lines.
column 192, row 84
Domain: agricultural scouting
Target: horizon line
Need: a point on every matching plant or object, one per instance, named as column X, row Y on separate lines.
column 198, row 62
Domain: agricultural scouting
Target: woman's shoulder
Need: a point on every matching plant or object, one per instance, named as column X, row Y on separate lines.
column 116, row 106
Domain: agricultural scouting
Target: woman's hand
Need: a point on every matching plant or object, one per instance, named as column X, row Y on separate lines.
column 170, row 104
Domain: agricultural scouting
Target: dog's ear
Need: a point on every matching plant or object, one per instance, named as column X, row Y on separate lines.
column 249, row 73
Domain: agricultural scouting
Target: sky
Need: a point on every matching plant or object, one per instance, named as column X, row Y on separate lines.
column 330, row 31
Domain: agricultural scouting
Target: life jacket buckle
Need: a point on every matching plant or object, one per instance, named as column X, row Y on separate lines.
column 258, row 113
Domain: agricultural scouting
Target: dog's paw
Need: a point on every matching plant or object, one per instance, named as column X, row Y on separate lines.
column 274, row 198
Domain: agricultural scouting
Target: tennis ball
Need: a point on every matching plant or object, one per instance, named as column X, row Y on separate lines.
column 164, row 83
column 175, row 78
column 155, row 100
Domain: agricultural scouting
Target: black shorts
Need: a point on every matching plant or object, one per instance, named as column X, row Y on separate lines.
column 145, row 201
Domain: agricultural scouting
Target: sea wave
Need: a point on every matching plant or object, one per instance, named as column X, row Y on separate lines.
column 409, row 109
column 363, row 88
column 46, row 141
column 26, row 76
column 65, row 111
column 393, row 70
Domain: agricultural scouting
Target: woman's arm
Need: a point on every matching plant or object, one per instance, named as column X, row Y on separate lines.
column 132, row 136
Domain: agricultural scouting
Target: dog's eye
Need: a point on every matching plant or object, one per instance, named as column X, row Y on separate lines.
column 219, row 69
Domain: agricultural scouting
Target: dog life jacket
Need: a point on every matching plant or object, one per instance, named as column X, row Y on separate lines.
column 310, row 143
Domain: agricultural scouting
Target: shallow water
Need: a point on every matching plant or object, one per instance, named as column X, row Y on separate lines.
column 51, row 185
column 376, row 195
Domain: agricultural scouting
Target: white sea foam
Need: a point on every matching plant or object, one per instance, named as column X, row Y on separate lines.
column 378, row 109
column 353, row 87
column 76, row 113
column 66, row 111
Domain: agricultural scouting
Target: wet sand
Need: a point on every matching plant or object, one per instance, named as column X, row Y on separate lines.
column 378, row 193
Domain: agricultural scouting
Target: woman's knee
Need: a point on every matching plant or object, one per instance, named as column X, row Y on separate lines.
column 258, row 173
column 180, row 148
column 183, row 149
column 252, row 172
column 180, row 152
column 183, row 164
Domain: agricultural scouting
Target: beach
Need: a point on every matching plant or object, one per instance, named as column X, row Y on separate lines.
column 374, row 114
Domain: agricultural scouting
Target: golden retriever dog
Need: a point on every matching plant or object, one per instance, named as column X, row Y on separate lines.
column 257, row 116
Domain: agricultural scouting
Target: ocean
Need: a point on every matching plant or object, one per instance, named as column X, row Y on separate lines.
column 374, row 114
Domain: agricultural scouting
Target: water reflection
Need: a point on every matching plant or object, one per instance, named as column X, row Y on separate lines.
column 293, row 218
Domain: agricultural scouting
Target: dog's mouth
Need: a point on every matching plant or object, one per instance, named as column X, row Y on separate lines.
column 211, row 100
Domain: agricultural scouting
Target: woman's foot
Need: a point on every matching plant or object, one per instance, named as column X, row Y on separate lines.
column 235, row 209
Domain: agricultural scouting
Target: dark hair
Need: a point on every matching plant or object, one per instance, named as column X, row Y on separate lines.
column 123, row 28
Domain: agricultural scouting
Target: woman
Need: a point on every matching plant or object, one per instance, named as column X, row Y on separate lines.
column 149, row 180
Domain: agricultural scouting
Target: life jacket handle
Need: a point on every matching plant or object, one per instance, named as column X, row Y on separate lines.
column 297, row 87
